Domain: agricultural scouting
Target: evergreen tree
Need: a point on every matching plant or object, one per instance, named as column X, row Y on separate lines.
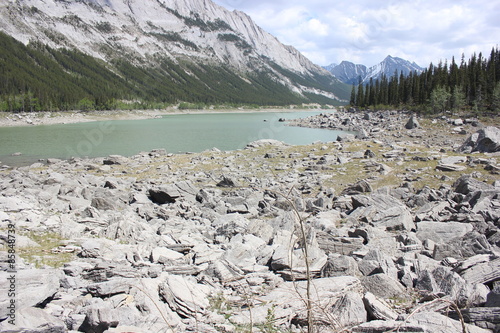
column 352, row 101
column 360, row 96
column 457, row 98
column 496, row 98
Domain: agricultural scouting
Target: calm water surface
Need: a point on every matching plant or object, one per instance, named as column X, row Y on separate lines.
column 175, row 133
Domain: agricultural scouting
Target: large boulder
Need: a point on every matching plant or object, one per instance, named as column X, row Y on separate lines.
column 33, row 286
column 467, row 185
column 428, row 322
column 382, row 210
column 412, row 123
column 486, row 140
column 185, row 296
column 442, row 232
column 34, row 320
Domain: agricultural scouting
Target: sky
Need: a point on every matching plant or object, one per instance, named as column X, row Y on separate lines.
column 366, row 31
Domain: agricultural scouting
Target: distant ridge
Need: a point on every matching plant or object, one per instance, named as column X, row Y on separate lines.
column 351, row 73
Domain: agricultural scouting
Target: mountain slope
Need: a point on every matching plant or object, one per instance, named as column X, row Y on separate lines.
column 198, row 39
column 389, row 66
column 351, row 73
column 348, row 72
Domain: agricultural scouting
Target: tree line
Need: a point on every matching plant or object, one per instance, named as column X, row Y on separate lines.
column 35, row 77
column 469, row 85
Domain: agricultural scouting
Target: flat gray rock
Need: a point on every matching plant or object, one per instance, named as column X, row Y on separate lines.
column 383, row 286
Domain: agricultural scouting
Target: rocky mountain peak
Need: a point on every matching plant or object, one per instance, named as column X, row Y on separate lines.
column 351, row 73
column 142, row 30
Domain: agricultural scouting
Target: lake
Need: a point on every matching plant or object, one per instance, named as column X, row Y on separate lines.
column 176, row 133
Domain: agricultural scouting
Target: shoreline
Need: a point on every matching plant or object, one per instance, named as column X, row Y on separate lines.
column 8, row 119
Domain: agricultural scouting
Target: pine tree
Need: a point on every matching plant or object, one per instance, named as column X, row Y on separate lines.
column 352, row 101
column 360, row 96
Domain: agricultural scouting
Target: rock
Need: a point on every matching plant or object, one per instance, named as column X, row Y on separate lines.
column 450, row 167
column 187, row 298
column 348, row 310
column 230, row 225
column 90, row 249
column 340, row 245
column 383, row 326
column 164, row 194
column 155, row 314
column 34, row 320
column 55, row 178
column 106, row 204
column 436, row 322
column 346, row 137
column 99, row 316
column 493, row 297
column 164, row 255
column 378, row 309
column 139, row 198
column 115, row 160
column 412, row 123
column 469, row 245
column 126, row 329
column 225, row 271
column 479, row 269
column 340, row 266
column 4, row 216
column 443, row 281
column 248, row 252
column 487, row 318
column 14, row 204
column 110, row 288
column 453, row 160
column 442, row 232
column 376, row 262
column 33, row 287
column 288, row 260
column 369, row 154
column 287, row 301
column 466, row 185
column 265, row 142
column 486, row 140
column 360, row 187
column 428, row 322
column 382, row 210
column 228, row 182
column 383, row 286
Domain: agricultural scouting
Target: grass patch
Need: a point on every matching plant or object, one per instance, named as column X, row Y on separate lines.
column 42, row 255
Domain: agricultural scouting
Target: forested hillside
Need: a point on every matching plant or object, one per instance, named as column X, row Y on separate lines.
column 472, row 84
column 38, row 78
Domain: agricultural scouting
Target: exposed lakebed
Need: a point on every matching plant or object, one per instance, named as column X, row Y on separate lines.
column 174, row 133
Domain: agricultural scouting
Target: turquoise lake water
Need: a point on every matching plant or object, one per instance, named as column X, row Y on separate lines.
column 175, row 133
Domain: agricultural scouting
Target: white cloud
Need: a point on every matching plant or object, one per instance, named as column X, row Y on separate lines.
column 366, row 31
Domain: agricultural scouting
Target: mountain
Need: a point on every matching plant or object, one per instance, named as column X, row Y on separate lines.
column 350, row 73
column 189, row 42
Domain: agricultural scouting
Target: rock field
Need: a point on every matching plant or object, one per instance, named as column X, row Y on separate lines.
column 395, row 229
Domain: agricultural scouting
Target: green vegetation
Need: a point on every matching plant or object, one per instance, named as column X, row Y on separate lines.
column 238, row 41
column 174, row 37
column 473, row 85
column 43, row 251
column 39, row 78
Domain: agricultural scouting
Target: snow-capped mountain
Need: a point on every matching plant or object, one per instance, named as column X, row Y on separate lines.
column 141, row 31
column 350, row 73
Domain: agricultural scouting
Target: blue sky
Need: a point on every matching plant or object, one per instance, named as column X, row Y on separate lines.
column 366, row 31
